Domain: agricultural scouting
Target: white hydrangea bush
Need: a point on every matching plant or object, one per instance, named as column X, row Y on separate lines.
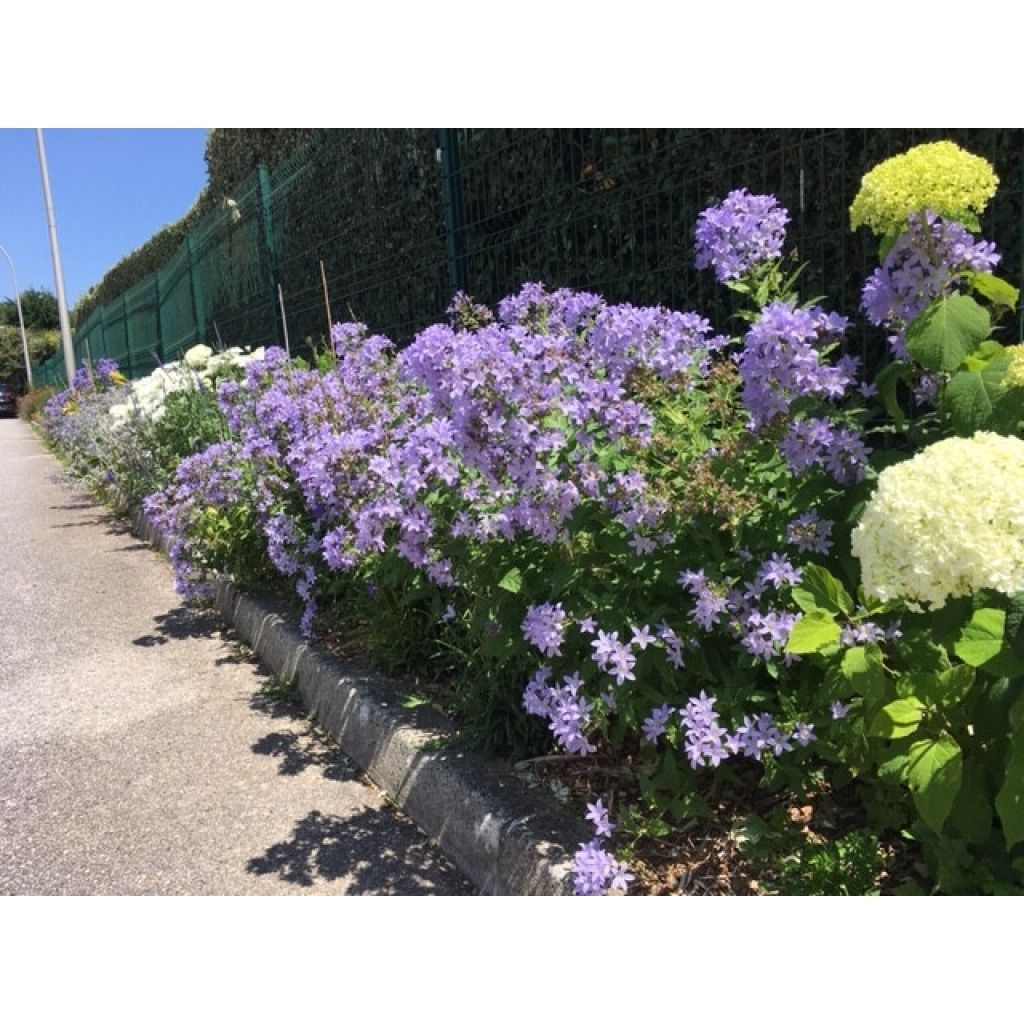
column 199, row 366
column 946, row 523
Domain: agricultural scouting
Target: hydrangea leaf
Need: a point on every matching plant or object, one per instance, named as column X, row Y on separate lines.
column 815, row 630
column 898, row 718
column 1010, row 798
column 982, row 637
column 972, row 809
column 1014, row 635
column 956, row 683
column 999, row 292
column 934, row 775
column 862, row 667
column 948, row 330
column 977, row 399
column 512, row 581
column 820, row 590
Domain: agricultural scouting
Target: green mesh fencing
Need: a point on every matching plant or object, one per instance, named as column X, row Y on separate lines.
column 396, row 220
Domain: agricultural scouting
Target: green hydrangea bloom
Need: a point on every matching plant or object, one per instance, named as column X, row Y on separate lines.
column 1014, row 377
column 938, row 176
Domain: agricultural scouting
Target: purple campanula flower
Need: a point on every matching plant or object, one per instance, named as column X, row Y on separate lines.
column 740, row 233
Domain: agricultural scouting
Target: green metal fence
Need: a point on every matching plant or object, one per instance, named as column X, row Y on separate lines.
column 394, row 221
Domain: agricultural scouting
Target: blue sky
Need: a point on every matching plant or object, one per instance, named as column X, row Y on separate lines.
column 112, row 189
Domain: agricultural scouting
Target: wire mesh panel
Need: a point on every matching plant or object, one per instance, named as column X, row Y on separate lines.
column 177, row 306
column 142, row 320
column 232, row 273
column 368, row 205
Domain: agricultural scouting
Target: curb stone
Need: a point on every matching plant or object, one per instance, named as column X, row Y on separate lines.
column 509, row 839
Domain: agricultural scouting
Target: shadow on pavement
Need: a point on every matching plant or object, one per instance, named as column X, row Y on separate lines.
column 358, row 847
column 182, row 623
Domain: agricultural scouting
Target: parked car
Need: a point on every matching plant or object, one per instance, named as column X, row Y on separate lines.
column 8, row 401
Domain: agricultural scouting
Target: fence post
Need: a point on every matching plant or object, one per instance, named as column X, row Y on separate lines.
column 270, row 248
column 158, row 341
column 127, row 337
column 453, row 220
column 198, row 311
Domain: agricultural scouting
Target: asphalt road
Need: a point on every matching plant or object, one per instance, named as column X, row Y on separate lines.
column 140, row 750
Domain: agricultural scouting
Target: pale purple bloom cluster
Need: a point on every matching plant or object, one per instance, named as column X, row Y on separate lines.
column 708, row 743
column 740, row 233
column 782, row 360
column 808, row 532
column 595, row 870
column 567, row 711
column 544, row 628
column 762, row 632
column 656, row 723
column 815, row 441
column 923, row 264
column 859, row 634
column 613, row 656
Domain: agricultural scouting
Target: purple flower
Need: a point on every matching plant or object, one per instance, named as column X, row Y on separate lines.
column 656, row 723
column 598, row 814
column 595, row 871
column 809, row 532
column 567, row 712
column 544, row 628
column 779, row 572
column 740, row 233
column 782, row 360
column 839, row 710
column 923, row 264
column 803, row 733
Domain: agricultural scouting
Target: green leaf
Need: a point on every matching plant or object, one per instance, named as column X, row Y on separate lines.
column 956, row 683
column 817, row 629
column 888, row 380
column 995, row 289
column 934, row 776
column 982, row 637
column 820, row 590
column 512, row 581
column 977, row 399
column 946, row 331
column 972, row 810
column 862, row 666
column 885, row 246
column 1010, row 798
column 1014, row 635
column 899, row 718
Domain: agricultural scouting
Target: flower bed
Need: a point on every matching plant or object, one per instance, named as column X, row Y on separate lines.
column 698, row 562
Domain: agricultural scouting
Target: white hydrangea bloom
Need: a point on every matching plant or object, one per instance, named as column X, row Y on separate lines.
column 200, row 366
column 198, row 356
column 946, row 523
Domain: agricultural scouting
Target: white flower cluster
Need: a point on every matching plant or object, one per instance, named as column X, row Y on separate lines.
column 198, row 367
column 946, row 523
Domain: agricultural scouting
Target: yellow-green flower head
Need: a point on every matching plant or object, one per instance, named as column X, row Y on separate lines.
column 1014, row 376
column 938, row 176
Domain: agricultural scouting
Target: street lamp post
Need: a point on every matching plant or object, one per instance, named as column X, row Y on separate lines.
column 62, row 305
column 21, row 319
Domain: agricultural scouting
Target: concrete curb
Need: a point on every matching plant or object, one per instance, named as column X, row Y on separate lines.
column 507, row 838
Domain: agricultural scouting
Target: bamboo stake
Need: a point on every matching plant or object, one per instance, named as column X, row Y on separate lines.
column 327, row 302
column 284, row 319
